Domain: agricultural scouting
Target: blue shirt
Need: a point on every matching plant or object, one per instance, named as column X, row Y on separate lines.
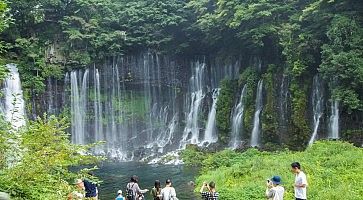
column 120, row 198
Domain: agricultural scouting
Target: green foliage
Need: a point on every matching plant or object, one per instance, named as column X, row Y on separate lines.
column 4, row 136
column 269, row 116
column 5, row 18
column 299, row 129
column 224, row 107
column 250, row 78
column 332, row 170
column 342, row 62
column 47, row 156
column 133, row 105
column 192, row 156
column 354, row 136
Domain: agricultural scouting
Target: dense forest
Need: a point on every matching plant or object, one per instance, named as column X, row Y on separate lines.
column 297, row 46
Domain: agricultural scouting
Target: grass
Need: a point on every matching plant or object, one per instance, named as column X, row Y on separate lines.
column 333, row 168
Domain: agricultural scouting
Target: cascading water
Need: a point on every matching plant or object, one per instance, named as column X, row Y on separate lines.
column 210, row 135
column 79, row 106
column 317, row 101
column 255, row 137
column 334, row 121
column 97, row 109
column 128, row 103
column 197, row 82
column 237, row 120
column 136, row 104
column 14, row 108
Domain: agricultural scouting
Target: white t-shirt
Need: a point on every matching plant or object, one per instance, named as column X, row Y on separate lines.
column 300, row 192
column 167, row 193
column 276, row 193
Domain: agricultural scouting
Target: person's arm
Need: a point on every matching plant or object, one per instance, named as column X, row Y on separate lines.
column 269, row 193
column 203, row 187
column 138, row 190
column 173, row 193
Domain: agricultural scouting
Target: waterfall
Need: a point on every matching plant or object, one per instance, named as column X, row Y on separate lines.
column 196, row 83
column 78, row 107
column 255, row 137
column 210, row 135
column 97, row 109
column 237, row 120
column 317, row 101
column 14, row 107
column 136, row 104
column 166, row 137
column 334, row 120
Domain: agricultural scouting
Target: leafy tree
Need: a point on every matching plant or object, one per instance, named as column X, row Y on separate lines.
column 342, row 61
column 47, row 156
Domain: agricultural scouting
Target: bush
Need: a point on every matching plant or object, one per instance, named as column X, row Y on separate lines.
column 43, row 170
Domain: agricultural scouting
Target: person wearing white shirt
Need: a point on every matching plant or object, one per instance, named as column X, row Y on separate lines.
column 274, row 189
column 168, row 193
column 301, row 182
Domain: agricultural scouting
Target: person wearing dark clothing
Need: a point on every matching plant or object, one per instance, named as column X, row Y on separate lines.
column 91, row 189
column 156, row 191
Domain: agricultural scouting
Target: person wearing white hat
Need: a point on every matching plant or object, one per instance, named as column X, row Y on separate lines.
column 119, row 195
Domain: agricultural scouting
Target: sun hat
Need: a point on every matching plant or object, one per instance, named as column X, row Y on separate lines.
column 119, row 192
column 276, row 180
column 78, row 181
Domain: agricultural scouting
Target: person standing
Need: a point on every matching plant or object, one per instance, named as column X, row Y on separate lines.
column 156, row 191
column 133, row 191
column 119, row 195
column 168, row 193
column 274, row 189
column 91, row 189
column 211, row 194
column 300, row 181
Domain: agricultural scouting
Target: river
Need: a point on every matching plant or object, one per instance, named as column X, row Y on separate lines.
column 115, row 176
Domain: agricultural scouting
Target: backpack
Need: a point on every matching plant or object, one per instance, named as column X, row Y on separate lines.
column 129, row 192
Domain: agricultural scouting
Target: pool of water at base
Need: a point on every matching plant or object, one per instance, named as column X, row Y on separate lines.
column 115, row 176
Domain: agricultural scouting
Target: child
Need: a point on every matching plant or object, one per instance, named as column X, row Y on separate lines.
column 119, row 195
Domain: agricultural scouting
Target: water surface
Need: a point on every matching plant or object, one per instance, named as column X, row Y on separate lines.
column 115, row 176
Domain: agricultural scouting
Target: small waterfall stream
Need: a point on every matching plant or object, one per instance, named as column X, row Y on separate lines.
column 210, row 135
column 334, row 120
column 79, row 105
column 256, row 131
column 237, row 120
column 14, row 107
column 317, row 102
